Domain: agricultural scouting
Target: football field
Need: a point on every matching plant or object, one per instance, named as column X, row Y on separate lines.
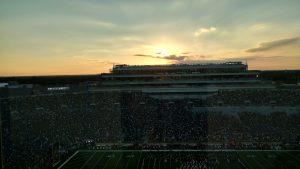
column 183, row 159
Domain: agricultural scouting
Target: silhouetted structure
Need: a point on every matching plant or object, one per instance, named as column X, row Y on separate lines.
column 212, row 106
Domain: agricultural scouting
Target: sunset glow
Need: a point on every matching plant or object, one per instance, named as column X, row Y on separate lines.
column 88, row 37
column 162, row 51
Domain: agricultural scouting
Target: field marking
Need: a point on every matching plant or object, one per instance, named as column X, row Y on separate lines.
column 241, row 162
column 88, row 160
column 98, row 160
column 67, row 160
column 154, row 163
column 106, row 162
column 252, row 158
column 259, row 163
column 265, row 157
column 170, row 161
column 293, row 162
column 221, row 159
column 139, row 160
column 296, row 159
column 118, row 162
column 143, row 163
column 159, row 163
column 193, row 150
column 149, row 162
column 245, row 161
column 127, row 162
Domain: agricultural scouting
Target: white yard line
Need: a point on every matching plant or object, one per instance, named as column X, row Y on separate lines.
column 118, row 161
column 68, row 160
column 107, row 162
column 186, row 150
column 170, row 162
column 261, row 166
column 143, row 163
column 88, row 160
column 244, row 161
column 154, row 163
column 267, row 160
column 149, row 162
column 127, row 163
column 292, row 156
column 98, row 160
column 139, row 160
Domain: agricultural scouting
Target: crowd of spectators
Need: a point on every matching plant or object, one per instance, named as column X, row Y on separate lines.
column 81, row 120
column 256, row 97
column 73, row 120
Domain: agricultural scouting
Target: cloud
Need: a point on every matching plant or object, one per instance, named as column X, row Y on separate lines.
column 202, row 59
column 198, row 57
column 204, row 30
column 94, row 60
column 258, row 27
column 251, row 58
column 265, row 46
column 170, row 57
column 98, row 23
column 185, row 53
column 180, row 58
column 174, row 57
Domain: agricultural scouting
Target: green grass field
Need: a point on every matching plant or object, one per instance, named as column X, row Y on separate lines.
column 182, row 159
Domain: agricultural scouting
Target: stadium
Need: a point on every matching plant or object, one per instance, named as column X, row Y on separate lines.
column 178, row 116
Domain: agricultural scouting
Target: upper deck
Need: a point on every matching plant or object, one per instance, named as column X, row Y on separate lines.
column 227, row 67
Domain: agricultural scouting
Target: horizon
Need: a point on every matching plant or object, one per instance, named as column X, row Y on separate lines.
column 39, row 38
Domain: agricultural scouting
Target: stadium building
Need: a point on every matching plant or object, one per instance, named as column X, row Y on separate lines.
column 182, row 80
column 153, row 116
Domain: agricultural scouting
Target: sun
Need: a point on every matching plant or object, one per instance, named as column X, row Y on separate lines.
column 167, row 49
column 162, row 51
column 165, row 53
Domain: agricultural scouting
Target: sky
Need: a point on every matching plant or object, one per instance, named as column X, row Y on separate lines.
column 55, row 37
